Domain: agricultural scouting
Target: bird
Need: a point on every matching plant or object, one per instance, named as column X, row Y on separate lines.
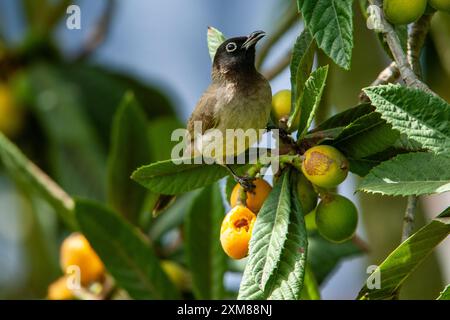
column 238, row 97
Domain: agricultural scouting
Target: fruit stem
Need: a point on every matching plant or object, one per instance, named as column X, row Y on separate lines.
column 252, row 172
column 399, row 55
column 291, row 18
column 416, row 40
column 408, row 219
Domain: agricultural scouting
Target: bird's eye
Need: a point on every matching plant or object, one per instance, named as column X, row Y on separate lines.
column 231, row 47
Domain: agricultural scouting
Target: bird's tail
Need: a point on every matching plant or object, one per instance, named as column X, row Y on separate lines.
column 163, row 202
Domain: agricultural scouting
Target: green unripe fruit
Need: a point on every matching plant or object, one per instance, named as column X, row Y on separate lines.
column 325, row 166
column 404, row 11
column 310, row 221
column 281, row 108
column 336, row 218
column 442, row 5
column 306, row 194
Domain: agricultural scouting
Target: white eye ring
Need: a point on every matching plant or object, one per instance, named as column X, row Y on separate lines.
column 231, row 47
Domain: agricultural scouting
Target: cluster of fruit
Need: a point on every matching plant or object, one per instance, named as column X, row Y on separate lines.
column 12, row 116
column 408, row 11
column 75, row 251
column 323, row 168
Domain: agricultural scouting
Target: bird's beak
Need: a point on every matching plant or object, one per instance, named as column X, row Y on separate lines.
column 252, row 39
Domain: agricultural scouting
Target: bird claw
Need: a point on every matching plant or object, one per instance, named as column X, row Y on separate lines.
column 246, row 183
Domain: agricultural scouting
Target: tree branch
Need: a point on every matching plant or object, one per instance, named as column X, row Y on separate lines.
column 99, row 33
column 277, row 34
column 279, row 67
column 389, row 75
column 408, row 219
column 416, row 40
column 399, row 55
column 408, row 66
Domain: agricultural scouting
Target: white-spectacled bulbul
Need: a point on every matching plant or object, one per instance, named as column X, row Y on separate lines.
column 239, row 97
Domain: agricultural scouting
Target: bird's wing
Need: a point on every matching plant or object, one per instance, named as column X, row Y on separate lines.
column 204, row 111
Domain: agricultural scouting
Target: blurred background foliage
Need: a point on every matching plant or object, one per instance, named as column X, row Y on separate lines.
column 60, row 89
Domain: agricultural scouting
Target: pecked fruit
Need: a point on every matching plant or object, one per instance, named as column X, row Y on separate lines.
column 76, row 251
column 236, row 231
column 325, row 166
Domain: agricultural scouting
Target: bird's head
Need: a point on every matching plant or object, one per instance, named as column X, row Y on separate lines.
column 237, row 54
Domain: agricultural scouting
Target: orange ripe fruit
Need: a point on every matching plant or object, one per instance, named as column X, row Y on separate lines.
column 12, row 116
column 236, row 231
column 255, row 198
column 59, row 290
column 76, row 251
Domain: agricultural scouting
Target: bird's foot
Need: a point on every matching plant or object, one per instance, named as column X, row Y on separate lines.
column 270, row 127
column 245, row 182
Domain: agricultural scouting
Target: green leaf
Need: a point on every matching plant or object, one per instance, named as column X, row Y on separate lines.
column 366, row 136
column 172, row 218
column 249, row 289
column 270, row 233
column 167, row 177
column 310, row 288
column 324, row 256
column 320, row 136
column 362, row 167
column 125, row 252
column 206, row 259
column 301, row 62
column 345, row 118
column 105, row 89
column 215, row 39
column 331, row 24
column 159, row 133
column 407, row 257
column 404, row 143
column 288, row 278
column 310, row 99
column 409, row 174
column 420, row 115
column 230, row 183
column 300, row 67
column 20, row 167
column 130, row 124
column 275, row 268
column 445, row 294
column 76, row 157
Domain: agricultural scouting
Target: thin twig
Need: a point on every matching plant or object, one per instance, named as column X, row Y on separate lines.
column 51, row 186
column 408, row 219
column 98, row 36
column 416, row 40
column 408, row 66
column 361, row 244
column 389, row 75
column 287, row 23
column 279, row 67
column 399, row 55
